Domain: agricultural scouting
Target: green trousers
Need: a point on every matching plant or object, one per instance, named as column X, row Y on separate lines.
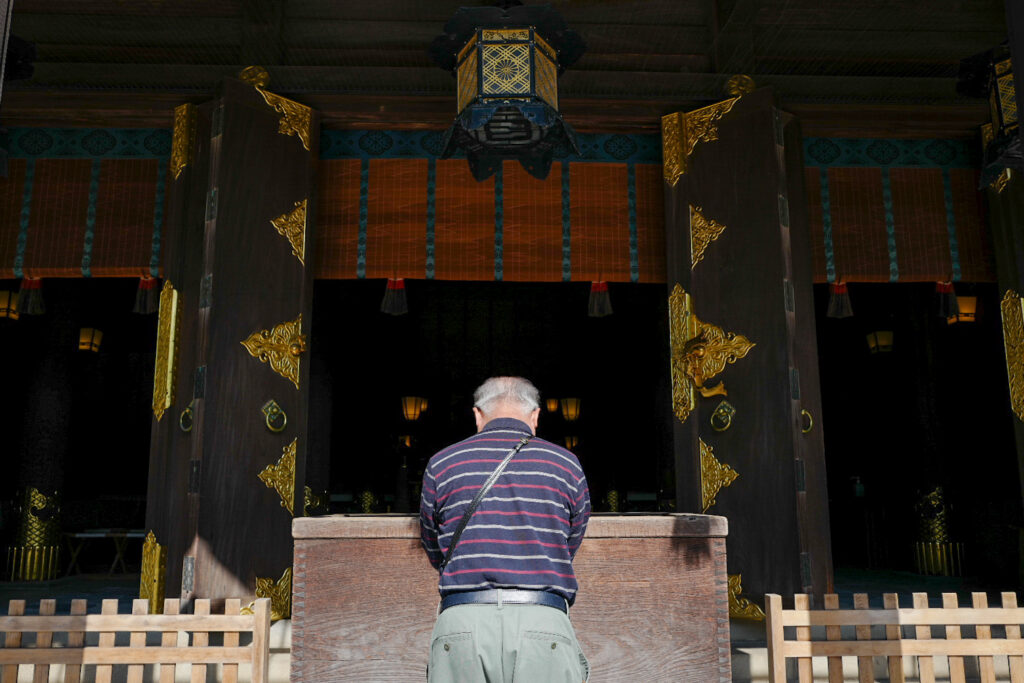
column 505, row 644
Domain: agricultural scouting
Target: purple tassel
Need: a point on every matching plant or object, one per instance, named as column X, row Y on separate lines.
column 394, row 302
column 147, row 296
column 30, row 299
column 600, row 302
column 839, row 305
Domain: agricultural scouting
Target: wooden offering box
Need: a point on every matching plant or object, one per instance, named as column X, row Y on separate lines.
column 653, row 600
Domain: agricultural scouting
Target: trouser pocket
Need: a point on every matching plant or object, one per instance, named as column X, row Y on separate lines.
column 453, row 659
column 544, row 657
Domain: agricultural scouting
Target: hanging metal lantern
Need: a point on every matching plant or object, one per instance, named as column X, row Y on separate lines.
column 506, row 60
column 990, row 75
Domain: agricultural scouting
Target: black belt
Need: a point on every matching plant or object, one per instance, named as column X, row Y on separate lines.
column 501, row 596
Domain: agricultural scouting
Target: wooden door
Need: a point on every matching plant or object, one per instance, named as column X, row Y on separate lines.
column 745, row 369
column 227, row 456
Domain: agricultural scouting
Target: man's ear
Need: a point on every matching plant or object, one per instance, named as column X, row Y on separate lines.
column 478, row 415
column 534, row 417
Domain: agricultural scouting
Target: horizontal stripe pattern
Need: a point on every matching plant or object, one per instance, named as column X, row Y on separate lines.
column 526, row 530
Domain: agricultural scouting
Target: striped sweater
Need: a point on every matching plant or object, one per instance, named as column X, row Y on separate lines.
column 529, row 525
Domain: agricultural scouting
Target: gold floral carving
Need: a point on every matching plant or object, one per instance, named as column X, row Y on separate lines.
column 154, row 572
column 281, row 346
column 279, row 592
column 680, row 133
column 295, row 117
column 292, row 226
column 255, row 76
column 714, row 476
column 169, row 321
column 281, row 477
column 700, row 351
column 703, row 231
column 739, row 606
column 1013, row 340
column 182, row 138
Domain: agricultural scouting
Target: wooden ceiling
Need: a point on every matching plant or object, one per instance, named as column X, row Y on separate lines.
column 885, row 64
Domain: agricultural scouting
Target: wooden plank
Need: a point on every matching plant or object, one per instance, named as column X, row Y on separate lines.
column 605, row 526
column 986, row 666
column 906, row 648
column 12, row 640
column 230, row 672
column 106, row 641
column 893, row 631
column 137, row 639
column 261, row 641
column 963, row 616
column 169, row 639
column 107, row 655
column 776, row 638
column 1009, row 601
column 73, row 672
column 801, row 601
column 956, row 663
column 93, row 623
column 44, row 641
column 865, row 664
column 200, row 640
column 835, row 664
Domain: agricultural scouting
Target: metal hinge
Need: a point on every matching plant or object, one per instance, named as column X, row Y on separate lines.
column 794, row 384
column 217, row 122
column 211, row 204
column 783, row 211
column 188, row 575
column 801, row 476
column 206, row 291
column 199, row 383
column 789, row 295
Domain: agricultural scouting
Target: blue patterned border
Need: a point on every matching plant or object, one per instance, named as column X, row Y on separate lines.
column 90, row 219
column 398, row 144
column 847, row 152
column 88, row 143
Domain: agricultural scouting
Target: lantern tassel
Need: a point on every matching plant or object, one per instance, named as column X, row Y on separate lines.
column 394, row 302
column 30, row 298
column 600, row 301
column 946, row 305
column 147, row 296
column 839, row 305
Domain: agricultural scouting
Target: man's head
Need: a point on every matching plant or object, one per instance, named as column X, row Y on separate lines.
column 513, row 397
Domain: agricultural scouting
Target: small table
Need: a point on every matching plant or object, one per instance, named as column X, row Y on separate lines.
column 77, row 541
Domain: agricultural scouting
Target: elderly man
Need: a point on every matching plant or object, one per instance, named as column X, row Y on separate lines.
column 505, row 564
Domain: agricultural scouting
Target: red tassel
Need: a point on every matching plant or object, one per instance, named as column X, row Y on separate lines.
column 600, row 303
column 946, row 305
column 839, row 304
column 30, row 300
column 147, row 296
column 394, row 302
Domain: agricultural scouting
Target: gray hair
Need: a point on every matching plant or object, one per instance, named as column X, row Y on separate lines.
column 514, row 390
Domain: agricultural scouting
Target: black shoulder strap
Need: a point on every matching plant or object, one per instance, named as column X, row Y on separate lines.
column 479, row 497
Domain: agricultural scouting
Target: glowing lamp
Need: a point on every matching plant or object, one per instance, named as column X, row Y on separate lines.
column 9, row 305
column 570, row 409
column 880, row 341
column 412, row 406
column 89, row 339
column 968, row 306
column 551, row 404
column 571, row 442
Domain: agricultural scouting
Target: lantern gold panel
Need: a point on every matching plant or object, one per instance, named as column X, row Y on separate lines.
column 506, row 69
column 739, row 606
column 1013, row 341
column 547, row 78
column 154, row 572
column 279, row 592
column 281, row 347
column 1000, row 183
column 292, row 226
column 468, row 78
column 168, row 324
column 714, row 476
column 700, row 352
column 680, row 133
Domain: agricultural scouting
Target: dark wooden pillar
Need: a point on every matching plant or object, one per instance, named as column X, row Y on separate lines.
column 738, row 243
column 222, row 494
